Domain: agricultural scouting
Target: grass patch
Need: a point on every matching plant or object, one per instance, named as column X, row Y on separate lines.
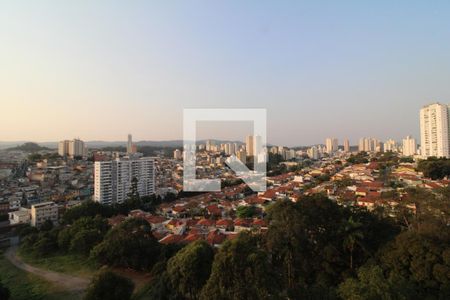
column 27, row 286
column 72, row 264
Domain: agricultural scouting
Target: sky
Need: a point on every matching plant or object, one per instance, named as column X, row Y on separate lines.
column 99, row 70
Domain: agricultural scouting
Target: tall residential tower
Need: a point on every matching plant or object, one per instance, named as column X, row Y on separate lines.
column 434, row 130
column 113, row 179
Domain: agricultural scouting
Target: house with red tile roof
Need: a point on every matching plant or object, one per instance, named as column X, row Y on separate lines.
column 192, row 237
column 206, row 224
column 214, row 210
column 215, row 238
column 242, row 224
column 172, row 239
column 225, row 224
column 366, row 202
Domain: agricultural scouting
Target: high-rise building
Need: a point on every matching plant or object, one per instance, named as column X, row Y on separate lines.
column 63, row 148
column 390, row 146
column 73, row 148
column 232, row 149
column 249, row 145
column 313, row 153
column 369, row 145
column 346, row 145
column 77, row 148
column 210, row 145
column 130, row 144
column 242, row 156
column 409, row 146
column 274, row 150
column 113, row 179
column 332, row 145
column 177, row 154
column 434, row 130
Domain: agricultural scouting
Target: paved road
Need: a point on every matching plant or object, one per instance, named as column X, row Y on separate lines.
column 67, row 282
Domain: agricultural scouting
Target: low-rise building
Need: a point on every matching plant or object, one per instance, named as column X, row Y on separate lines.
column 42, row 212
column 21, row 216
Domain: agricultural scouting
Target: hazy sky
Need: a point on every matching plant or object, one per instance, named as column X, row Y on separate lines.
column 101, row 69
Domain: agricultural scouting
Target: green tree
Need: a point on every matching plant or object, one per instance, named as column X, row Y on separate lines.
column 83, row 234
column 435, row 168
column 240, row 270
column 108, row 285
column 87, row 209
column 304, row 241
column 352, row 237
column 412, row 266
column 134, row 200
column 190, row 268
column 130, row 244
column 246, row 211
column 47, row 225
column 371, row 284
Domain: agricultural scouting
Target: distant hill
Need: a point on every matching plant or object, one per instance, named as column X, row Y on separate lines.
column 28, row 147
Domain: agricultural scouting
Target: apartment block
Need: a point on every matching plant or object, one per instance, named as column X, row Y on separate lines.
column 42, row 212
column 113, row 178
column 434, row 130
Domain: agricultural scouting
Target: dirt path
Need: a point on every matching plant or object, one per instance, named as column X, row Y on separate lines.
column 67, row 282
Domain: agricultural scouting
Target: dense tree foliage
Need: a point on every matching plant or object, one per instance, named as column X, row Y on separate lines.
column 413, row 266
column 87, row 209
column 246, row 211
column 40, row 243
column 83, row 234
column 315, row 243
column 130, row 244
column 360, row 158
column 108, row 285
column 435, row 168
column 189, row 269
column 241, row 270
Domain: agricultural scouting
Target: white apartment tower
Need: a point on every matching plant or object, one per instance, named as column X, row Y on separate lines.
column 313, row 152
column 252, row 144
column 346, row 145
column 63, row 148
column 434, row 130
column 332, row 145
column 241, row 155
column 390, row 146
column 130, row 144
column 409, row 146
column 73, row 148
column 177, row 154
column 249, row 145
column 369, row 145
column 113, row 178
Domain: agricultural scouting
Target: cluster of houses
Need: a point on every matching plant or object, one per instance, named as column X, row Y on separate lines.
column 213, row 216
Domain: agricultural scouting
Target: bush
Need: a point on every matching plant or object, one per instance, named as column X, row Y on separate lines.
column 108, row 285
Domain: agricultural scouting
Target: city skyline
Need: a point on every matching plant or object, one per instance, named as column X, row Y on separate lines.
column 319, row 70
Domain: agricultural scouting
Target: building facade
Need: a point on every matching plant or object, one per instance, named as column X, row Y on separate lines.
column 409, row 146
column 42, row 212
column 73, row 148
column 331, row 145
column 434, row 130
column 346, row 145
column 113, row 179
